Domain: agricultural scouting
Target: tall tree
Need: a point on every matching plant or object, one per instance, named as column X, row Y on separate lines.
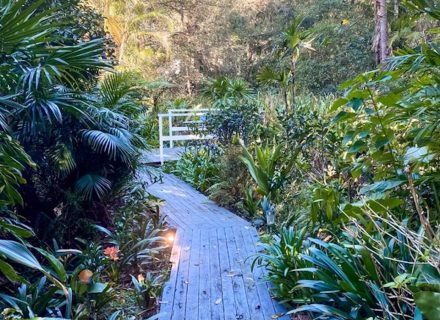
column 380, row 40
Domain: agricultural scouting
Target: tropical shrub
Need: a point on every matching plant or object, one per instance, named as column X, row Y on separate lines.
column 50, row 105
column 199, row 167
column 148, row 289
column 82, row 131
column 234, row 111
column 229, row 190
column 281, row 257
column 380, row 192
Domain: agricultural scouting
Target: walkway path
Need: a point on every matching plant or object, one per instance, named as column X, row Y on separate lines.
column 169, row 154
column 211, row 276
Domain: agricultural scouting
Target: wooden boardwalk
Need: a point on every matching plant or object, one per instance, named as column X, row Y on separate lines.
column 169, row 154
column 211, row 276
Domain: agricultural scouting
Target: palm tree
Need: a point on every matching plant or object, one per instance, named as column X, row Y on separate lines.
column 271, row 77
column 138, row 31
column 293, row 41
column 81, row 137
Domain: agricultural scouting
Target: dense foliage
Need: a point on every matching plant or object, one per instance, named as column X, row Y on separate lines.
column 342, row 183
column 347, row 184
column 187, row 42
column 70, row 144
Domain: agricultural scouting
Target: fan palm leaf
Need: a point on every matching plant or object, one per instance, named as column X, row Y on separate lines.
column 107, row 143
column 46, row 108
column 92, row 184
column 63, row 158
column 65, row 64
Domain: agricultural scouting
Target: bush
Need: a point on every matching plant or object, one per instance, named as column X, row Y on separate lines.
column 199, row 167
column 235, row 110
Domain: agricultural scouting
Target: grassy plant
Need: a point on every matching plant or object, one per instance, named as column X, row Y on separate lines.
column 199, row 167
column 281, row 257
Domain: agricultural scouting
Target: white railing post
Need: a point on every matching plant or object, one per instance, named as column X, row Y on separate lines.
column 161, row 139
column 170, row 128
column 182, row 130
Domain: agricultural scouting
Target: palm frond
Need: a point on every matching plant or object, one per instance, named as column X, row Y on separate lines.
column 117, row 91
column 92, row 184
column 107, row 143
column 12, row 162
column 23, row 28
column 63, row 159
column 67, row 65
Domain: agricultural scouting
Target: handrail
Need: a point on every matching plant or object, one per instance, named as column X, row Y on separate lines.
column 171, row 137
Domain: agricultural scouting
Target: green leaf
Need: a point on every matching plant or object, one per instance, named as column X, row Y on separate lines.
column 56, row 264
column 321, row 309
column 9, row 272
column 381, row 141
column 99, row 288
column 19, row 253
column 383, row 205
column 429, row 304
column 358, row 146
column 389, row 99
column 381, row 186
column 343, row 116
column 415, row 154
column 19, row 231
column 338, row 103
column 356, row 104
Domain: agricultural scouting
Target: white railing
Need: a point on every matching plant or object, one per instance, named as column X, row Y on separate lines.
column 191, row 127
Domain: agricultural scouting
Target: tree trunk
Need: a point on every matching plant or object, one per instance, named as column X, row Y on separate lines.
column 188, row 82
column 286, row 100
column 293, row 73
column 121, row 49
column 380, row 39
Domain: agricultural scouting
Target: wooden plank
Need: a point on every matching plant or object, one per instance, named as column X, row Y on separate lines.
column 190, row 212
column 170, row 211
column 237, row 277
column 192, row 299
column 169, row 154
column 212, row 278
column 205, row 280
column 229, row 307
column 166, row 303
column 279, row 309
column 263, row 293
column 180, row 294
column 250, row 285
column 216, row 289
column 187, row 208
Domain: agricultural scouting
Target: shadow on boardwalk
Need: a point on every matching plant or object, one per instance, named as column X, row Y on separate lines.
column 211, row 276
